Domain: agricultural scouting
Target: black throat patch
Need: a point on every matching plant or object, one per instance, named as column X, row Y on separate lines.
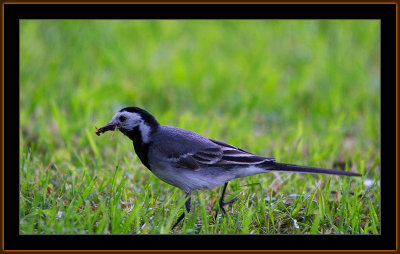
column 141, row 149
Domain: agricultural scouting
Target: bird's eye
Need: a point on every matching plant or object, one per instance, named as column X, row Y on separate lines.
column 122, row 118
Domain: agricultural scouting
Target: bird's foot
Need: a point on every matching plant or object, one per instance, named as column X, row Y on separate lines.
column 222, row 204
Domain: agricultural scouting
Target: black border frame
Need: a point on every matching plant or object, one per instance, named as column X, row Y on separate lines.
column 389, row 227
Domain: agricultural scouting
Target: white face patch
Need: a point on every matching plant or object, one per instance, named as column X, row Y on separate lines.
column 128, row 121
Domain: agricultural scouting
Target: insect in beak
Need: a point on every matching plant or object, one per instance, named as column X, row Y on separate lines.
column 107, row 127
column 97, row 131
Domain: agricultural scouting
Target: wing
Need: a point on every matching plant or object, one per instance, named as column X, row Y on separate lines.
column 223, row 155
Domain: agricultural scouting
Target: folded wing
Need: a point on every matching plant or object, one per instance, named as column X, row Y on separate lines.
column 222, row 155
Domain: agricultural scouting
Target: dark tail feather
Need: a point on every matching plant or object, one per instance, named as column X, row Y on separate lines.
column 310, row 170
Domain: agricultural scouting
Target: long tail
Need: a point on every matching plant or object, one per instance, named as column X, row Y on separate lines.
column 310, row 170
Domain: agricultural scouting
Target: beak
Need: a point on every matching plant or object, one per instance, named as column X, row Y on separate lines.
column 108, row 127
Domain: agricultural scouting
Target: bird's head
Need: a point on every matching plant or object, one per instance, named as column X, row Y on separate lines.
column 131, row 121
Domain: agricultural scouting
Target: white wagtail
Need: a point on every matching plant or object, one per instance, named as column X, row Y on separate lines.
column 190, row 161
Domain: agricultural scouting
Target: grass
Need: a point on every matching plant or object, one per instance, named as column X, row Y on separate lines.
column 304, row 92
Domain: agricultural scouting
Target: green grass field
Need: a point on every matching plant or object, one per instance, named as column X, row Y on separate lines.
column 304, row 92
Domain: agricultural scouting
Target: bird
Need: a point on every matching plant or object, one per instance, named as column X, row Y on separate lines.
column 190, row 161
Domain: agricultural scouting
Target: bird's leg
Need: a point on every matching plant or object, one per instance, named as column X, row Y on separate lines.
column 221, row 201
column 187, row 205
